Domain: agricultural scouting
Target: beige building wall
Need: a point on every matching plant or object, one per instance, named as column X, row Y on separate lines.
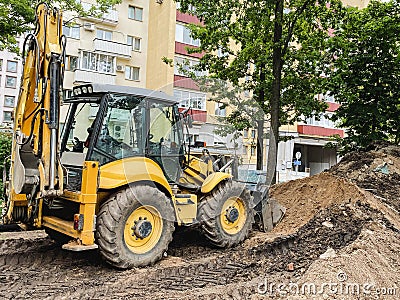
column 161, row 43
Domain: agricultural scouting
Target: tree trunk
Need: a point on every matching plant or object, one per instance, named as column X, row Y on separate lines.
column 276, row 93
column 260, row 144
column 260, row 123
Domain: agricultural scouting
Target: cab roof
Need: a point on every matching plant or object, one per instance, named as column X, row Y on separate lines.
column 87, row 90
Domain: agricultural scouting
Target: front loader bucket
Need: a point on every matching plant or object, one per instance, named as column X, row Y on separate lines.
column 269, row 212
column 272, row 213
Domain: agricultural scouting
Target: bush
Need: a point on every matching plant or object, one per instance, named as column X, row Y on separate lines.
column 5, row 151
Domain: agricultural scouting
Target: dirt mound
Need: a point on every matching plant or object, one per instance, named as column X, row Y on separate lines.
column 376, row 170
column 305, row 197
column 368, row 267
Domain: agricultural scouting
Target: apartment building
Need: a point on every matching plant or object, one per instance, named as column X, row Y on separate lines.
column 306, row 154
column 109, row 49
column 169, row 37
column 10, row 74
column 130, row 45
column 126, row 46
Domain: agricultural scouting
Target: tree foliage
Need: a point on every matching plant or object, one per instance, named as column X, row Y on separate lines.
column 18, row 16
column 5, row 151
column 273, row 48
column 365, row 78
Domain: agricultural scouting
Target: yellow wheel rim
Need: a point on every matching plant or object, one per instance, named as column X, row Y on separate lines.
column 233, row 215
column 143, row 229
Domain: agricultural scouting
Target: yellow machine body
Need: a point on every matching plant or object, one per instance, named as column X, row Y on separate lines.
column 49, row 187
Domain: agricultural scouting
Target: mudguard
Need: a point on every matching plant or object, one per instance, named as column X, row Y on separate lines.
column 213, row 180
column 133, row 169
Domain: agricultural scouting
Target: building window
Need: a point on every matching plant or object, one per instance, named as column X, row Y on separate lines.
column 72, row 63
column 329, row 97
column 135, row 13
column 184, row 35
column 253, row 133
column 132, row 73
column 182, row 66
column 252, row 150
column 220, row 109
column 322, row 120
column 191, row 99
column 11, row 82
column 191, row 8
column 221, row 52
column 104, row 34
column 246, row 133
column 1, row 64
column 7, row 116
column 134, row 42
column 98, row 62
column 12, row 66
column 9, row 101
column 72, row 31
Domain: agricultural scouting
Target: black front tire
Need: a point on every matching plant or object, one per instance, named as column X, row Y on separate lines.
column 112, row 226
column 211, row 215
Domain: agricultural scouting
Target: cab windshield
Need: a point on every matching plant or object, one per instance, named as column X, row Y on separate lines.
column 122, row 129
column 117, row 126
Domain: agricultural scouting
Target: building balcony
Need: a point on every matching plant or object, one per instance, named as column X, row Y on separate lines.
column 113, row 48
column 187, row 18
column 198, row 115
column 110, row 17
column 180, row 48
column 85, row 76
column 332, row 106
column 319, row 131
column 185, row 82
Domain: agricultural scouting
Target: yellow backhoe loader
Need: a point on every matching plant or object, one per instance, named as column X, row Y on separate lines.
column 128, row 178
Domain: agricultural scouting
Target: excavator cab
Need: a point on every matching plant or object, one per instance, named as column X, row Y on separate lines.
column 114, row 123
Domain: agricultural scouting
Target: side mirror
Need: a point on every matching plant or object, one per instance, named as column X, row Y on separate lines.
column 187, row 118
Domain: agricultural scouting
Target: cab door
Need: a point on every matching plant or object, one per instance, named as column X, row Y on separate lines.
column 165, row 139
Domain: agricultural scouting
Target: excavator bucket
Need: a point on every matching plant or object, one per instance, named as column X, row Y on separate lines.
column 269, row 212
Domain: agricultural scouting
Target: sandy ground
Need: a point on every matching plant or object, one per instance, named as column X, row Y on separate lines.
column 340, row 234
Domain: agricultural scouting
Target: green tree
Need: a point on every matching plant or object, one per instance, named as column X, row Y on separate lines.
column 5, row 151
column 18, row 16
column 277, row 46
column 365, row 77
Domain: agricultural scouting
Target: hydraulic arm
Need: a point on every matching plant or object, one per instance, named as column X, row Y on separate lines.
column 36, row 172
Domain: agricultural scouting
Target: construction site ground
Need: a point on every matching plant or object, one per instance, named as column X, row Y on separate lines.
column 339, row 240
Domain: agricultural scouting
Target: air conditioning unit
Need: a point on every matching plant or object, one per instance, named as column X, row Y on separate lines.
column 88, row 26
column 120, row 68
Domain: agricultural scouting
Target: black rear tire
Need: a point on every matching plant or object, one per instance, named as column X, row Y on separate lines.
column 213, row 214
column 118, row 243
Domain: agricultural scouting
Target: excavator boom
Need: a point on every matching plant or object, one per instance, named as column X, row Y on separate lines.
column 35, row 171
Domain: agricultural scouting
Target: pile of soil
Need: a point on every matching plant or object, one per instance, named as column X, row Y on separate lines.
column 370, row 266
column 305, row 197
column 376, row 170
column 357, row 177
